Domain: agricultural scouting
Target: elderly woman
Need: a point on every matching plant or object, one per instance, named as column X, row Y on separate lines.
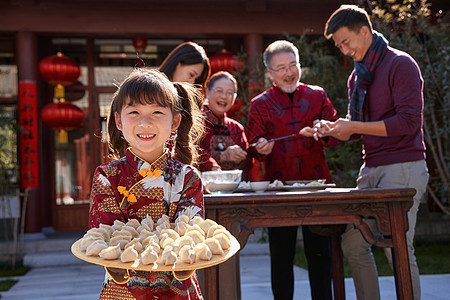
column 224, row 145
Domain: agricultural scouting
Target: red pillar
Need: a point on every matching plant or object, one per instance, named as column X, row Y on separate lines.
column 26, row 55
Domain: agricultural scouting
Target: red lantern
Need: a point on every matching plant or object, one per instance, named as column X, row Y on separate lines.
column 59, row 70
column 62, row 116
column 139, row 43
column 225, row 61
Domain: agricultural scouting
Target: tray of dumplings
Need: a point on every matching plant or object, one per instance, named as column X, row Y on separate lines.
column 187, row 244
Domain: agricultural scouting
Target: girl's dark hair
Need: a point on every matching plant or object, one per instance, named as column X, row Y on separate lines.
column 350, row 16
column 153, row 87
column 187, row 53
column 219, row 75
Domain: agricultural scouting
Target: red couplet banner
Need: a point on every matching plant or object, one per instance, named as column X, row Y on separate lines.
column 28, row 135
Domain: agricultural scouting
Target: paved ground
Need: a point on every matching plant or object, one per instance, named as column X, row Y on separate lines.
column 82, row 281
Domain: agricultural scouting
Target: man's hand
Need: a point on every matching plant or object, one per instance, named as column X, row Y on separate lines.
column 342, row 129
column 233, row 153
column 263, row 147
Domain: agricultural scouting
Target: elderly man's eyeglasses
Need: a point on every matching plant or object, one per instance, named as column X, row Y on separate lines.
column 227, row 93
column 283, row 70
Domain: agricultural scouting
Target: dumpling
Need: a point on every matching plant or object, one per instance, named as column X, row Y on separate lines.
column 88, row 240
column 196, row 220
column 214, row 246
column 145, row 234
column 162, row 237
column 202, row 252
column 95, row 248
column 195, row 227
column 181, row 227
column 149, row 256
column 156, row 247
column 107, row 228
column 148, row 221
column 136, row 243
column 196, row 236
column 171, row 233
column 133, row 223
column 93, row 234
column 182, row 219
column 144, row 227
column 163, row 219
column 168, row 257
column 224, row 231
column 206, row 224
column 185, row 240
column 124, row 233
column 223, row 240
column 161, row 227
column 122, row 241
column 212, row 229
column 131, row 230
column 166, row 242
column 150, row 239
column 112, row 252
column 118, row 225
column 187, row 255
column 105, row 233
column 129, row 254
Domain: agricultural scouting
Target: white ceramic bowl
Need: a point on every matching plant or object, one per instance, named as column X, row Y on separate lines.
column 259, row 186
column 221, row 182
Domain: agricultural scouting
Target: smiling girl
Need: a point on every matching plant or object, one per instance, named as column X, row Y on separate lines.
column 147, row 179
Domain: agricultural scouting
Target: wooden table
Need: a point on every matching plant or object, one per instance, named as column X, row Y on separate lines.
column 241, row 213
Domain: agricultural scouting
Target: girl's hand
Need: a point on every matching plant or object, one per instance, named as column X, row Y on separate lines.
column 119, row 276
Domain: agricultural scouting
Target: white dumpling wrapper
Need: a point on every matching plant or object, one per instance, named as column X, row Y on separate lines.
column 202, row 252
column 187, row 255
column 196, row 220
column 196, row 236
column 224, row 240
column 206, row 224
column 87, row 241
column 133, row 223
column 185, row 240
column 112, row 252
column 131, row 230
column 95, row 248
column 181, row 228
column 195, row 227
column 168, row 257
column 149, row 256
column 136, row 243
column 214, row 246
column 118, row 225
column 171, row 233
column 129, row 254
column 121, row 232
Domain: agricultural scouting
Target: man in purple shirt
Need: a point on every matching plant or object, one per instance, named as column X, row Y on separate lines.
column 386, row 109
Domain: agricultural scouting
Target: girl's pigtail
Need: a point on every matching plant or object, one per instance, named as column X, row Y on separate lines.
column 192, row 126
column 116, row 143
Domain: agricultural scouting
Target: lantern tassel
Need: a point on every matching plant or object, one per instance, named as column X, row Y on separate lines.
column 59, row 91
column 63, row 137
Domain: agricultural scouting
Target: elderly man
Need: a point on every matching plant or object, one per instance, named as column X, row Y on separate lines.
column 284, row 109
column 386, row 109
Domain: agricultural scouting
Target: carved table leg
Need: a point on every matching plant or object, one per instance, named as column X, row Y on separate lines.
column 402, row 271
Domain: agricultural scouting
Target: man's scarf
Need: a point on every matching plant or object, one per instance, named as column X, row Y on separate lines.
column 364, row 76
